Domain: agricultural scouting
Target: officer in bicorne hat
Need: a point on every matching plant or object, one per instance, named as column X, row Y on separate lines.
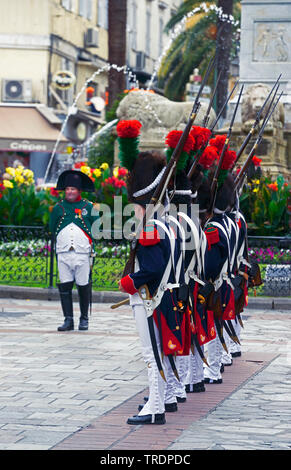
column 71, row 223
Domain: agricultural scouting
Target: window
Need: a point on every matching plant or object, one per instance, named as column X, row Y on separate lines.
column 85, row 9
column 67, row 4
column 102, row 13
column 148, row 33
column 134, row 26
column 161, row 30
column 67, row 95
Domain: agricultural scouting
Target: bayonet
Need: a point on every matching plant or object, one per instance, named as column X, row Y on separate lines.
column 214, row 184
column 206, row 118
column 256, row 121
column 240, row 177
column 195, row 163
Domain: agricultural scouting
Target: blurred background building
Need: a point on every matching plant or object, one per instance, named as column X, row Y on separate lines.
column 54, row 51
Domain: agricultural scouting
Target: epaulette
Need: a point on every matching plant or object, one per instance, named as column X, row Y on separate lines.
column 149, row 236
column 239, row 223
column 212, row 235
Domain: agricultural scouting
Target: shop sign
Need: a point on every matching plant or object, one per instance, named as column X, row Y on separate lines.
column 28, row 146
column 63, row 79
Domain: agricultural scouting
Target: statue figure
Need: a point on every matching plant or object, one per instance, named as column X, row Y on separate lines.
column 158, row 114
column 252, row 102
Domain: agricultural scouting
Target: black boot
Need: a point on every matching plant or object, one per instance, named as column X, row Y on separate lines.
column 84, row 301
column 65, row 290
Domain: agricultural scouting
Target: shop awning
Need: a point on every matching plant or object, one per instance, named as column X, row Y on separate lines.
column 26, row 129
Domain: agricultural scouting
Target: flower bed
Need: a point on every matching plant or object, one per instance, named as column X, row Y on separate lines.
column 40, row 248
column 270, row 255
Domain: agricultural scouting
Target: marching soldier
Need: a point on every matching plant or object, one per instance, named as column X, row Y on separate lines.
column 217, row 265
column 71, row 226
column 151, row 281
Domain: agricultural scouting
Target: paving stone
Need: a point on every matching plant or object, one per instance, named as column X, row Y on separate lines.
column 64, row 385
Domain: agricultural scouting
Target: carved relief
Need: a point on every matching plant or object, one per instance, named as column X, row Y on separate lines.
column 272, row 42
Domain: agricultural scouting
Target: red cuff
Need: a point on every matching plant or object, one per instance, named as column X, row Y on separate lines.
column 128, row 285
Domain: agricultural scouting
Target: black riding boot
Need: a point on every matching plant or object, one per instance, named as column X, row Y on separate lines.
column 84, row 302
column 65, row 290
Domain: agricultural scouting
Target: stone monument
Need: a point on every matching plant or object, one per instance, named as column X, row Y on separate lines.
column 158, row 116
column 265, row 53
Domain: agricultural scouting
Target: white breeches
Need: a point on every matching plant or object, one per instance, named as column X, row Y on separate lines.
column 226, row 357
column 74, row 266
column 195, row 371
column 174, row 387
column 157, row 385
column 214, row 358
column 235, row 347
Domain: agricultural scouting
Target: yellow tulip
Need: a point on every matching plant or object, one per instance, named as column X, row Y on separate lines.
column 28, row 173
column 97, row 173
column 19, row 179
column 115, row 172
column 104, row 166
column 10, row 171
column 86, row 170
column 7, row 184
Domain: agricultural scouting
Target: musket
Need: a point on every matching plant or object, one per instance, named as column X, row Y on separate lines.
column 240, row 177
column 206, row 117
column 214, row 183
column 256, row 122
column 195, row 163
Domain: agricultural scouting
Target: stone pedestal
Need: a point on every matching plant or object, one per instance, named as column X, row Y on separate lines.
column 265, row 50
column 272, row 150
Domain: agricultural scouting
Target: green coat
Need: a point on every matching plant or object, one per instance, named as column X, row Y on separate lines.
column 79, row 213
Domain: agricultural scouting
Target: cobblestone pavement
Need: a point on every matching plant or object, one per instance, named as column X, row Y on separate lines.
column 55, row 385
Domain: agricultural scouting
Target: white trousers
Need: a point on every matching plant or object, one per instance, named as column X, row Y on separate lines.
column 235, row 347
column 74, row 266
column 157, row 385
column 195, row 370
column 214, row 359
column 226, row 357
column 174, row 387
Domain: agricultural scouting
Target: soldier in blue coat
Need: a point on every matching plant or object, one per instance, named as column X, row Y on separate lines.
column 150, row 281
column 217, row 268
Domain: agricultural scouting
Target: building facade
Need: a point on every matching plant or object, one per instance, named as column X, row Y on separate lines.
column 52, row 52
column 146, row 39
column 49, row 49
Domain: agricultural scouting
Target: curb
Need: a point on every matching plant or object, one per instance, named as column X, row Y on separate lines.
column 39, row 293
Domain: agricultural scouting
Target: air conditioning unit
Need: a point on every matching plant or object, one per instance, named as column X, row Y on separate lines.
column 17, row 90
column 91, row 38
column 140, row 60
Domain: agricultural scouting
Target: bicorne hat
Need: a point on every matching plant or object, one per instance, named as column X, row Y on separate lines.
column 76, row 179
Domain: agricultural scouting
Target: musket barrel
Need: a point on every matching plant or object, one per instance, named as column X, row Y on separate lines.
column 247, row 163
column 257, row 120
